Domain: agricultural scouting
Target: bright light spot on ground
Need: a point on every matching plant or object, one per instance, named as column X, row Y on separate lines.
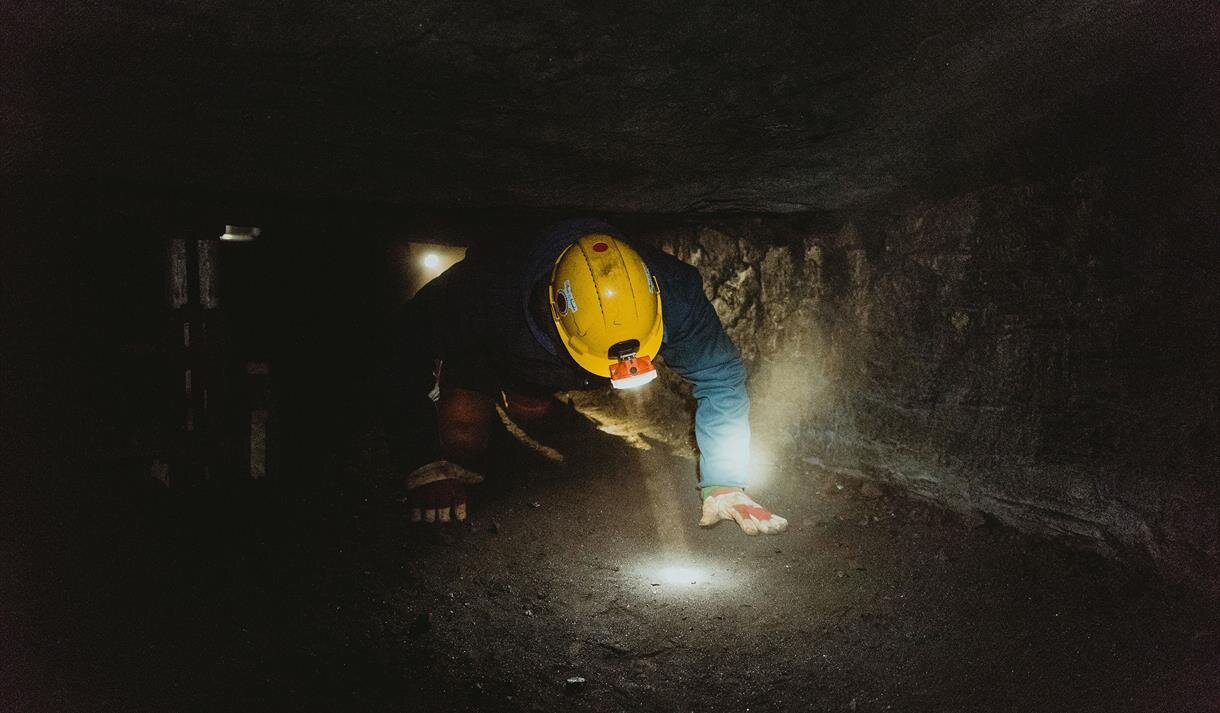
column 681, row 573
column 675, row 574
column 431, row 260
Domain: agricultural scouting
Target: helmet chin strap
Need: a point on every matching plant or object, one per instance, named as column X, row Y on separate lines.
column 632, row 372
column 540, row 312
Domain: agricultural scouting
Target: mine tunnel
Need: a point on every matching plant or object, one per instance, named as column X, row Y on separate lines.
column 933, row 284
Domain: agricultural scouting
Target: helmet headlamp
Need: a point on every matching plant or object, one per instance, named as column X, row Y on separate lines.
column 632, row 372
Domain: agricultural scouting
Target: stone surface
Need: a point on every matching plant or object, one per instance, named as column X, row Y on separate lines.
column 1043, row 352
column 648, row 108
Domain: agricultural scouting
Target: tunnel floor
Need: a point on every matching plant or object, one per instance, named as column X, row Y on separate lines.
column 268, row 598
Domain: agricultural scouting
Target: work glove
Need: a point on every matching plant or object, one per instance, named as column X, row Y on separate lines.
column 734, row 504
column 436, row 492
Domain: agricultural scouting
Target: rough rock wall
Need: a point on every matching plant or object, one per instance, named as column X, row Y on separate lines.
column 1026, row 350
column 649, row 107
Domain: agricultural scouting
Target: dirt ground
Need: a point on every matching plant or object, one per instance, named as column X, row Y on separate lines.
column 268, row 597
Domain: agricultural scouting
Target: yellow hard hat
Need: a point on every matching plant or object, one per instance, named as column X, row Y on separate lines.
column 607, row 308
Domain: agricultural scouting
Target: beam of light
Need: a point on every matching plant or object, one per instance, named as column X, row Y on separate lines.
column 431, row 261
column 762, row 466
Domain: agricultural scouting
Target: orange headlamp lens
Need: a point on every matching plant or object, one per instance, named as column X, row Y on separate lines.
column 632, row 372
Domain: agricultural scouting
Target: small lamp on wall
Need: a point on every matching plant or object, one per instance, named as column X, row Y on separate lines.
column 240, row 233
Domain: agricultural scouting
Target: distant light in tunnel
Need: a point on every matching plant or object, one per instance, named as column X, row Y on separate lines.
column 421, row 262
column 240, row 233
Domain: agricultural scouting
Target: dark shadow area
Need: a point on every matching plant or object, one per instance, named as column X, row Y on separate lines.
column 264, row 596
column 310, row 591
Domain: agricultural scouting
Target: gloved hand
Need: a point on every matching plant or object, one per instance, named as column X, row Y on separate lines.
column 437, row 490
column 734, row 504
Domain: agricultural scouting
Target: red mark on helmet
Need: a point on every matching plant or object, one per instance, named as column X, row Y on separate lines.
column 600, row 247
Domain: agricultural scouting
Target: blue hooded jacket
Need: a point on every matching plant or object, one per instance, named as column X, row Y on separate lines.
column 476, row 318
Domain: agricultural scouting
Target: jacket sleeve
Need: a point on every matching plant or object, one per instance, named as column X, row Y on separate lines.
column 699, row 350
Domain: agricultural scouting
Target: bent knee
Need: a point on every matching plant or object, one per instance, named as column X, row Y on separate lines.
column 464, row 418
